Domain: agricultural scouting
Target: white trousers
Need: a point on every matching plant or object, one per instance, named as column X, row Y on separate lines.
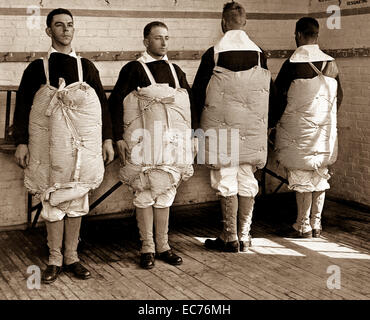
column 231, row 181
column 309, row 181
column 159, row 190
column 75, row 208
column 145, row 199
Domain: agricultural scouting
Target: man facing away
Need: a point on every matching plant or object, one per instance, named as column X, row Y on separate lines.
column 60, row 118
column 309, row 94
column 152, row 95
column 232, row 91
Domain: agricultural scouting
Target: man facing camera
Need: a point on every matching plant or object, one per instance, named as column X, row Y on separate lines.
column 152, row 99
column 60, row 120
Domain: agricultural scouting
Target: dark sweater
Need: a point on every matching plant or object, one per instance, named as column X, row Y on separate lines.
column 132, row 76
column 60, row 66
column 290, row 72
column 231, row 60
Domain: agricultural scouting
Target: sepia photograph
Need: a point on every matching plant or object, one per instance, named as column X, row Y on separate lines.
column 184, row 159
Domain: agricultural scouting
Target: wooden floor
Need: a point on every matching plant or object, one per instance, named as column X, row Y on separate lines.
column 275, row 267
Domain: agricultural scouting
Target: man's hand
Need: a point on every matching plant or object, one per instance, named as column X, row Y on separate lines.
column 22, row 155
column 108, row 151
column 122, row 148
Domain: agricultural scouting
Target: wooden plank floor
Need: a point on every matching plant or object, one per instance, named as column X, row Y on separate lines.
column 276, row 268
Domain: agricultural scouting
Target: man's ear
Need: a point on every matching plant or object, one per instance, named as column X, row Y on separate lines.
column 146, row 42
column 48, row 31
column 223, row 25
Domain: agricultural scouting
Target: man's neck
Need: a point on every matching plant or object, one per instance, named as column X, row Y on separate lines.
column 306, row 43
column 62, row 49
column 155, row 56
column 233, row 27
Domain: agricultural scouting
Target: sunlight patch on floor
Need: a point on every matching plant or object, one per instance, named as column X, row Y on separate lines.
column 330, row 249
column 267, row 246
column 203, row 239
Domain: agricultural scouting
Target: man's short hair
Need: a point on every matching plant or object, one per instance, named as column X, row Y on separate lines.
column 234, row 12
column 308, row 26
column 54, row 12
column 152, row 25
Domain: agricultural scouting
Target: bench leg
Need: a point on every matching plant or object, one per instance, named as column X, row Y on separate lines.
column 37, row 215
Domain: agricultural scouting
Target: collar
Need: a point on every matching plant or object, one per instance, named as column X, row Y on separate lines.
column 52, row 50
column 309, row 53
column 146, row 58
column 235, row 40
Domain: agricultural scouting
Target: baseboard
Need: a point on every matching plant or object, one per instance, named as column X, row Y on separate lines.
column 349, row 203
column 22, row 226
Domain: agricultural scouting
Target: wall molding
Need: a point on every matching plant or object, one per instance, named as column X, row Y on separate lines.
column 343, row 12
column 185, row 14
column 173, row 55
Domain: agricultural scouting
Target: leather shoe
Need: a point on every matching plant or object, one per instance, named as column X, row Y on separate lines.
column 244, row 245
column 78, row 270
column 50, row 274
column 169, row 257
column 316, row 233
column 218, row 244
column 147, row 260
column 293, row 233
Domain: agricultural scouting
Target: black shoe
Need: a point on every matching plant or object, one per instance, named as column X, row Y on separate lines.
column 147, row 260
column 50, row 274
column 218, row 244
column 245, row 245
column 316, row 233
column 293, row 233
column 169, row 257
column 232, row 246
column 78, row 270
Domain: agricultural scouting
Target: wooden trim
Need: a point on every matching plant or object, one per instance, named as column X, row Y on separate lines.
column 348, row 53
column 8, row 88
column 173, row 55
column 184, row 14
column 121, row 13
column 343, row 12
column 100, row 55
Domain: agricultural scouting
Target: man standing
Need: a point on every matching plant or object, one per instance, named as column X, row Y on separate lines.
column 152, row 95
column 232, row 92
column 309, row 93
column 57, row 155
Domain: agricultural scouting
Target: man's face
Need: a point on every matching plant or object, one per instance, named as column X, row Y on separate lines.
column 157, row 42
column 61, row 30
